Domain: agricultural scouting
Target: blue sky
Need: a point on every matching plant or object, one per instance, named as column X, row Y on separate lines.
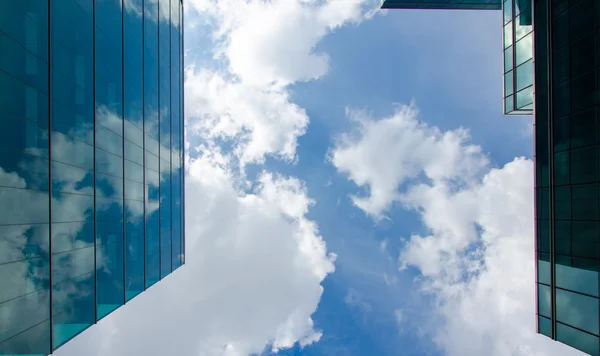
column 327, row 216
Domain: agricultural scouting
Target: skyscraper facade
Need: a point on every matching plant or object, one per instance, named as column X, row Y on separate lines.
column 91, row 162
column 551, row 52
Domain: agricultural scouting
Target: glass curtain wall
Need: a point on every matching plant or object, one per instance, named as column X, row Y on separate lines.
column 518, row 57
column 567, row 147
column 91, row 162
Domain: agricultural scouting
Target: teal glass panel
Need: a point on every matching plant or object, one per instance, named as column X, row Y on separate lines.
column 524, row 51
column 508, row 83
column 543, row 235
column 525, row 99
column 577, row 274
column 508, row 34
column 577, row 339
column 507, row 10
column 577, row 310
column 509, row 104
column 508, row 59
column 544, row 300
column 543, row 268
column 545, row 326
column 524, row 75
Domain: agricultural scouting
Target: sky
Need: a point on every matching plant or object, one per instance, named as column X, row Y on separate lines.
column 352, row 188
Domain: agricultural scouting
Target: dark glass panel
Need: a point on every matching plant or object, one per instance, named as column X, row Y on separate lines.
column 562, row 136
column 583, row 165
column 561, row 168
column 585, row 202
column 583, row 128
column 562, row 202
column 585, row 239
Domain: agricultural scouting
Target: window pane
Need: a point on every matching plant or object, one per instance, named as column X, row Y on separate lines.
column 577, row 310
column 577, row 339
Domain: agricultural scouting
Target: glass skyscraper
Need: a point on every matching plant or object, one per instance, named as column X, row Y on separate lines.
column 551, row 52
column 91, row 162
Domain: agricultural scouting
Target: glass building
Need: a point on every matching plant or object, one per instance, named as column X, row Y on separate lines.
column 91, row 162
column 551, row 51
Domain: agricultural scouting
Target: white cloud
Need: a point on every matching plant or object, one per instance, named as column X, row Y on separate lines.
column 252, row 277
column 476, row 260
column 383, row 154
column 399, row 314
column 260, row 121
column 264, row 46
column 272, row 42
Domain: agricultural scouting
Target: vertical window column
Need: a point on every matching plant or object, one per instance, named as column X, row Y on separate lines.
column 151, row 144
column 165, row 135
column 72, row 167
column 109, row 156
column 133, row 87
column 25, row 324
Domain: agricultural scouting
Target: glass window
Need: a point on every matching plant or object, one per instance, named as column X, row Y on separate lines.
column 577, row 339
column 544, row 268
column 20, row 316
column 577, row 274
column 583, row 95
column 582, row 20
column 560, row 31
column 134, row 171
column 544, row 300
column 577, row 310
column 562, row 237
column 109, row 268
column 525, row 98
column 507, row 10
column 583, row 128
column 545, row 326
column 525, row 75
column 562, row 202
column 585, row 239
column 583, row 165
column 585, row 202
column 508, row 34
column 109, row 163
column 561, row 168
column 562, row 134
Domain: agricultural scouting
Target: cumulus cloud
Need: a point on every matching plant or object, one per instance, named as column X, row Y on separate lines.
column 272, row 42
column 263, row 46
column 383, row 154
column 259, row 121
column 254, row 265
column 477, row 259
